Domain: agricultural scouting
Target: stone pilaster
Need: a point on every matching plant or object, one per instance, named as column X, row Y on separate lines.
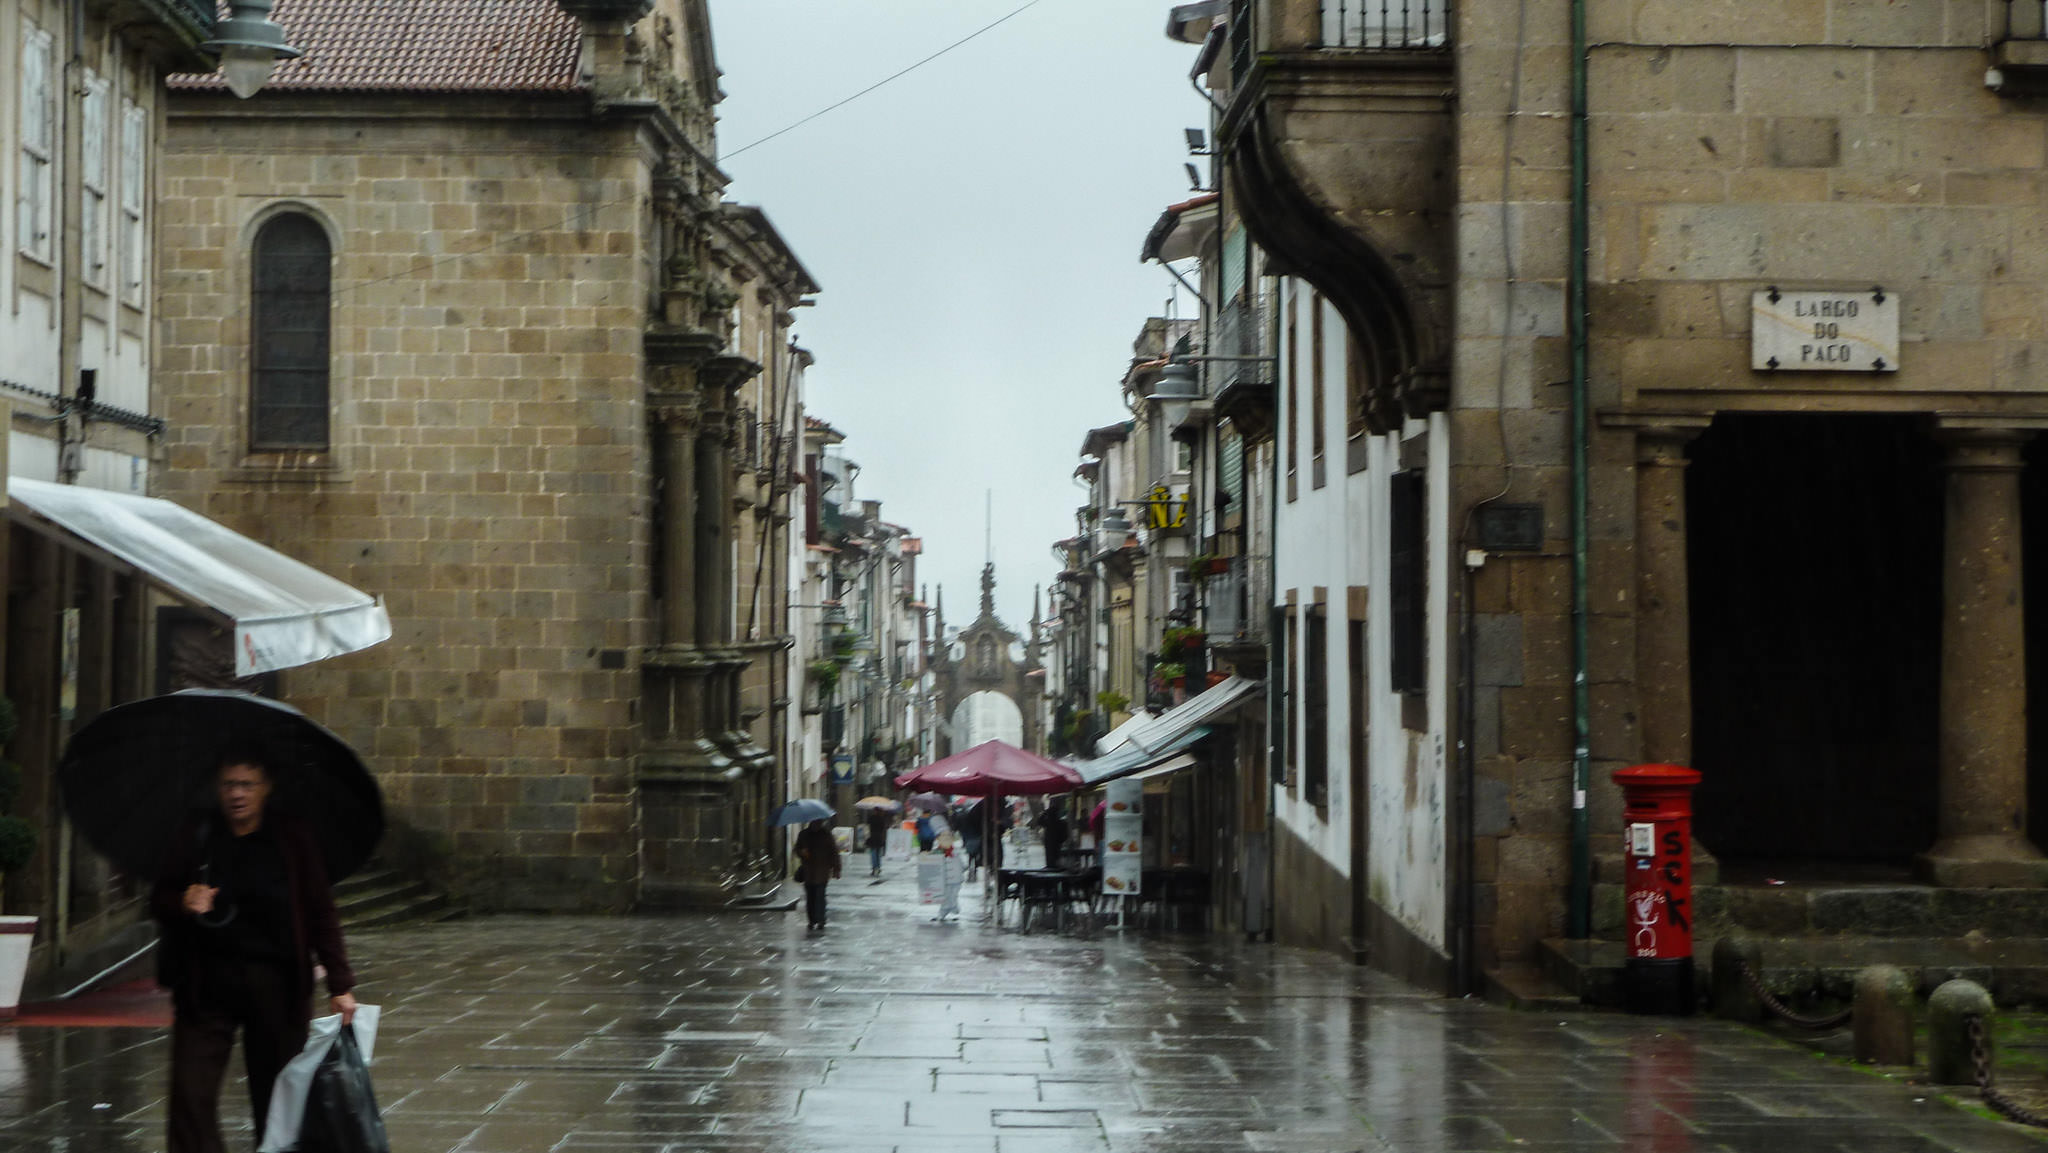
column 1663, row 603
column 674, row 417
column 1981, row 829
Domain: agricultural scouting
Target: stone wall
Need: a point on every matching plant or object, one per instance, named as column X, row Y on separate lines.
column 488, row 472
column 1826, row 145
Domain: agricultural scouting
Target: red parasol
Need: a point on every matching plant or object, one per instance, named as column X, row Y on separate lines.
column 993, row 769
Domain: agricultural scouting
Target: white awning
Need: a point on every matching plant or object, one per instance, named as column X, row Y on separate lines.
column 1172, row 765
column 285, row 613
column 1152, row 733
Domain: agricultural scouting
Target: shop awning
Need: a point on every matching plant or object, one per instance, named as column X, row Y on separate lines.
column 1133, row 759
column 1168, row 726
column 284, row 613
column 1170, row 765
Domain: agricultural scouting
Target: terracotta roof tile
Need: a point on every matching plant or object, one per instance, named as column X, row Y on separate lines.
column 422, row 46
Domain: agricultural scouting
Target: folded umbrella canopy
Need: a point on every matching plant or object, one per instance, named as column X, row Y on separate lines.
column 993, row 769
column 135, row 776
column 801, row 811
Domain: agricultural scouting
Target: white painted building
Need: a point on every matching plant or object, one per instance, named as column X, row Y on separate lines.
column 1361, row 578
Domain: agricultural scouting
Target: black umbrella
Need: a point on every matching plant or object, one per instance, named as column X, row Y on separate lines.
column 134, row 777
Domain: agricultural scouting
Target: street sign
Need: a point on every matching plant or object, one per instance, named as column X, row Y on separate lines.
column 1824, row 331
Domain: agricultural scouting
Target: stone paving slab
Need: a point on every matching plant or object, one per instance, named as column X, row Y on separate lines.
column 888, row 1033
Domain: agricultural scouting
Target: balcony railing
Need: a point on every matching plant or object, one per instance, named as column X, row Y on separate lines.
column 1410, row 24
column 1238, row 340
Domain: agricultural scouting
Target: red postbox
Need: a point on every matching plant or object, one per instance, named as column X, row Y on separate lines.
column 1657, row 908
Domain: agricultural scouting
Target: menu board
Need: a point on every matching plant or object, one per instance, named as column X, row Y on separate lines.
column 1122, row 851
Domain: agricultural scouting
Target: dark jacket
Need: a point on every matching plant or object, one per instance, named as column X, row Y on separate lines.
column 817, row 856
column 316, row 927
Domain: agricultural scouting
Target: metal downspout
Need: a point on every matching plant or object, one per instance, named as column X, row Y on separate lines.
column 1579, row 926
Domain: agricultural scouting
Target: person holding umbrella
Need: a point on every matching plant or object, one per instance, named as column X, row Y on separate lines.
column 245, row 908
column 879, row 822
column 817, row 866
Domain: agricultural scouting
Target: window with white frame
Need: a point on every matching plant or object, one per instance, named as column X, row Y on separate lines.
column 134, row 254
column 92, row 174
column 33, row 210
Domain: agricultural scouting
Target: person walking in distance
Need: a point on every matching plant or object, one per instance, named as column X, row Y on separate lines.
column 244, row 909
column 817, row 866
column 879, row 823
column 1052, row 833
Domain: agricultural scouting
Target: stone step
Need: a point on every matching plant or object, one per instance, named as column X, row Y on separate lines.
column 1864, row 910
column 1527, row 987
column 378, row 897
column 2014, row 969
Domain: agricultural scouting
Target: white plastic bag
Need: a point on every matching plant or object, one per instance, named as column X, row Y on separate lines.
column 288, row 1096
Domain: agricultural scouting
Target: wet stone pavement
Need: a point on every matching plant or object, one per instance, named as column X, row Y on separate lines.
column 888, row 1033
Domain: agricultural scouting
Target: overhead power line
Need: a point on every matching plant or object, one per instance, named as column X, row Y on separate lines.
column 897, row 75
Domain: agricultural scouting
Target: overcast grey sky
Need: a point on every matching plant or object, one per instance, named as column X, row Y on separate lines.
column 976, row 227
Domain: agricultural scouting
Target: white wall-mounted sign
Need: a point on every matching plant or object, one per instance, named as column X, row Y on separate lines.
column 1824, row 331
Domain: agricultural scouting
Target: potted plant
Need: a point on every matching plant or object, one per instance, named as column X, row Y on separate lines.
column 1112, row 702
column 1172, row 674
column 1176, row 643
column 17, row 845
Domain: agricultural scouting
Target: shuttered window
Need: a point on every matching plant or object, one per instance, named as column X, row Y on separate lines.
column 34, row 218
column 93, row 181
column 134, row 253
column 288, row 335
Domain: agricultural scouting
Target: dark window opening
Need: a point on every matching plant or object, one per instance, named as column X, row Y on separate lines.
column 1408, row 582
column 1318, row 476
column 290, row 288
column 1315, row 760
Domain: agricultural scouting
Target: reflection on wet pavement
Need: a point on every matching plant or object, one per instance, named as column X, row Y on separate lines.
column 888, row 1032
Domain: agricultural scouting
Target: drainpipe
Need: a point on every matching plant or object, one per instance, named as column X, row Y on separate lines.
column 1579, row 926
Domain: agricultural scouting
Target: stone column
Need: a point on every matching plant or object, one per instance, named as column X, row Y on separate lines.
column 713, row 529
column 1981, row 836
column 1663, row 604
column 675, row 422
column 1663, row 609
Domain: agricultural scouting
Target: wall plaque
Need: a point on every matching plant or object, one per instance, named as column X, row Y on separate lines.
column 1824, row 331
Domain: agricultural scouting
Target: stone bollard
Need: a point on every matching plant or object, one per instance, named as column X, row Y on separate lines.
column 1883, row 1018
column 1734, row 1000
column 1949, row 1059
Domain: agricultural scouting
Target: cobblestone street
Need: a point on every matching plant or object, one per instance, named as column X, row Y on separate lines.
column 888, row 1032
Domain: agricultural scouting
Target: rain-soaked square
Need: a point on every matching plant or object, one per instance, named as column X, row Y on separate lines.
column 889, row 1032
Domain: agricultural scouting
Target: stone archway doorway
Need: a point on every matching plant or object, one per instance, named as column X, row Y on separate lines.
column 987, row 716
column 1815, row 553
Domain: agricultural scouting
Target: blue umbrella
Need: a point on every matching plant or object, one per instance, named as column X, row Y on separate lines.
column 799, row 811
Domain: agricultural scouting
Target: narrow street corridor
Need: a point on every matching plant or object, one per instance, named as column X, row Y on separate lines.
column 888, row 1032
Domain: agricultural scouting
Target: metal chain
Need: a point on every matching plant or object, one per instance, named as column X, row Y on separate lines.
column 1778, row 1009
column 1980, row 1061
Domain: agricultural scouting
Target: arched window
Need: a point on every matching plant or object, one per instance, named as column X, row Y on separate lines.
column 288, row 335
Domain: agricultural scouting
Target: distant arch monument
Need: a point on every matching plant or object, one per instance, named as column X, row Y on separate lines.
column 983, row 691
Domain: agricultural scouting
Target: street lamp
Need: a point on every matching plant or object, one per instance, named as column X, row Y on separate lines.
column 249, row 44
column 1176, row 392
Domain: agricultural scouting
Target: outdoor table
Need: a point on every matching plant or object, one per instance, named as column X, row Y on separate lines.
column 1048, row 890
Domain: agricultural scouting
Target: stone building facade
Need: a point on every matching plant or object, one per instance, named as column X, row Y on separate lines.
column 1640, row 538
column 472, row 329
column 978, row 685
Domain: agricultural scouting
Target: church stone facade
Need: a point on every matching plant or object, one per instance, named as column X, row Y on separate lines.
column 471, row 329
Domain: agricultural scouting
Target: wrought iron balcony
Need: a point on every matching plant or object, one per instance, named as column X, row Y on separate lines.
column 1315, row 84
column 1386, row 24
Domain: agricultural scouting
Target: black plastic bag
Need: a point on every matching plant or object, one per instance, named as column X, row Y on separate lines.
column 341, row 1110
